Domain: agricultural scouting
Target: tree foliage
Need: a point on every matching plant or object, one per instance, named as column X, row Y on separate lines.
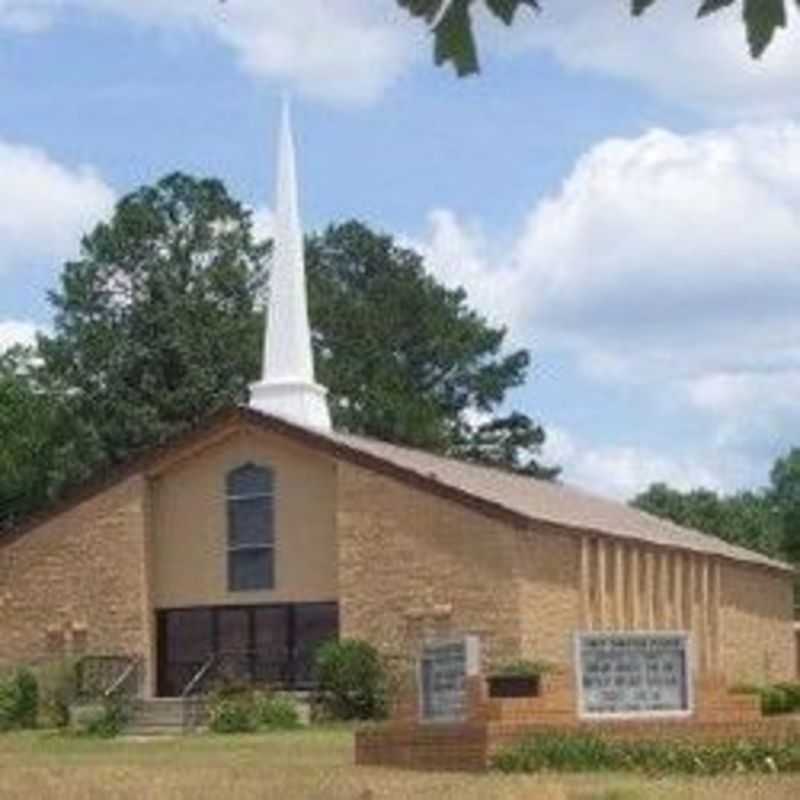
column 785, row 493
column 406, row 359
column 154, row 323
column 451, row 22
column 157, row 324
column 748, row 519
column 766, row 520
column 44, row 446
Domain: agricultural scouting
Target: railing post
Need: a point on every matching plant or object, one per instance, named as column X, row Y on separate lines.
column 290, row 646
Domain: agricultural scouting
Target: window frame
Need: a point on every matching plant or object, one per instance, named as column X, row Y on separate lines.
column 266, row 547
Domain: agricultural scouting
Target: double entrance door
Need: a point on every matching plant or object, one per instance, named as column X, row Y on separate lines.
column 259, row 644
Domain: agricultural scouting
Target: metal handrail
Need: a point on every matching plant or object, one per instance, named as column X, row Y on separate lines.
column 116, row 685
column 188, row 690
column 105, row 685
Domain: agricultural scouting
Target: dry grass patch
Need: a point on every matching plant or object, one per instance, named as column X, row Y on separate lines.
column 307, row 765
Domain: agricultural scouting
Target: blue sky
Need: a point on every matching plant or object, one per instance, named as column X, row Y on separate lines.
column 624, row 195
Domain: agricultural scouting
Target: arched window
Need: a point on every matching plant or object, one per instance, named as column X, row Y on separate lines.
column 251, row 528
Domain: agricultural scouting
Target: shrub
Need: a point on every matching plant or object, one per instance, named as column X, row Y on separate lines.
column 792, row 693
column 276, row 712
column 585, row 752
column 57, row 692
column 774, row 701
column 745, row 688
column 523, row 668
column 103, row 721
column 232, row 709
column 27, row 698
column 352, row 680
column 19, row 700
column 779, row 698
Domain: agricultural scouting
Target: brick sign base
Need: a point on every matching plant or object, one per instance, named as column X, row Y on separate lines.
column 494, row 723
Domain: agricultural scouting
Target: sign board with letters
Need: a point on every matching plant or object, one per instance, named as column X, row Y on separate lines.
column 641, row 674
column 443, row 668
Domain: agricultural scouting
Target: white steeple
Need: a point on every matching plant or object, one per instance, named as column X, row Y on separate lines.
column 287, row 387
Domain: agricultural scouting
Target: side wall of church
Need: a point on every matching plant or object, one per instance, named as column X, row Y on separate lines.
column 548, row 565
column 77, row 583
column 758, row 642
column 411, row 563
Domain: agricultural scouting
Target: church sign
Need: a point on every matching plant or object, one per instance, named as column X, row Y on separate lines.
column 444, row 667
column 634, row 674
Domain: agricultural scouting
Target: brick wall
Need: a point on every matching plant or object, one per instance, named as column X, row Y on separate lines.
column 547, row 565
column 757, row 634
column 411, row 562
column 78, row 583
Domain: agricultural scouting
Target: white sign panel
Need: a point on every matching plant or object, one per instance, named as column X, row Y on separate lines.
column 443, row 668
column 634, row 674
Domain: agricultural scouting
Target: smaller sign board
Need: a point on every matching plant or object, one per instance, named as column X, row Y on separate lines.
column 443, row 668
column 643, row 674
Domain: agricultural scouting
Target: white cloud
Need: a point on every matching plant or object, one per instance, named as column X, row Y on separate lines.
column 45, row 206
column 667, row 263
column 702, row 63
column 352, row 50
column 461, row 254
column 348, row 51
column 13, row 332
column 624, row 471
column 25, row 16
column 263, row 223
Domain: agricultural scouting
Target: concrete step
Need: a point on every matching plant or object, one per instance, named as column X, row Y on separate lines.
column 162, row 716
column 151, row 730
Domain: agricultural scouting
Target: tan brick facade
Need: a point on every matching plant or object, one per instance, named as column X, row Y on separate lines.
column 757, row 625
column 403, row 556
column 78, row 583
column 411, row 563
column 547, row 566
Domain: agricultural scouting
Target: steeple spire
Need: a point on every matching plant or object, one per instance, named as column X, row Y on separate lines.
column 287, row 387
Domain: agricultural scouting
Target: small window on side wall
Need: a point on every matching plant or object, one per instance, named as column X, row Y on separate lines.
column 251, row 528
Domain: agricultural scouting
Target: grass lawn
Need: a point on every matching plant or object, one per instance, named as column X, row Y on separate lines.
column 314, row 765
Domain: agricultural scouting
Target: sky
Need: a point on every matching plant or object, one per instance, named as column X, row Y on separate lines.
column 623, row 195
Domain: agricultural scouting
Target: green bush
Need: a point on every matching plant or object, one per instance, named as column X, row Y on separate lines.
column 778, row 698
column 103, row 721
column 745, row 688
column 792, row 694
column 351, row 679
column 57, row 692
column 585, row 752
column 276, row 712
column 524, row 668
column 232, row 709
column 19, row 700
column 774, row 701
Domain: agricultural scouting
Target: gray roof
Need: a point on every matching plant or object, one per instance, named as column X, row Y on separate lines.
column 553, row 502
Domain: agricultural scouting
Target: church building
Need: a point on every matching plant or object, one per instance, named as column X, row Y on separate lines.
column 263, row 532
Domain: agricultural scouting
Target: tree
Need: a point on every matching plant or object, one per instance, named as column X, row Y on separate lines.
column 43, row 446
column 406, row 359
column 154, row 323
column 747, row 519
column 454, row 40
column 785, row 493
column 157, row 325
